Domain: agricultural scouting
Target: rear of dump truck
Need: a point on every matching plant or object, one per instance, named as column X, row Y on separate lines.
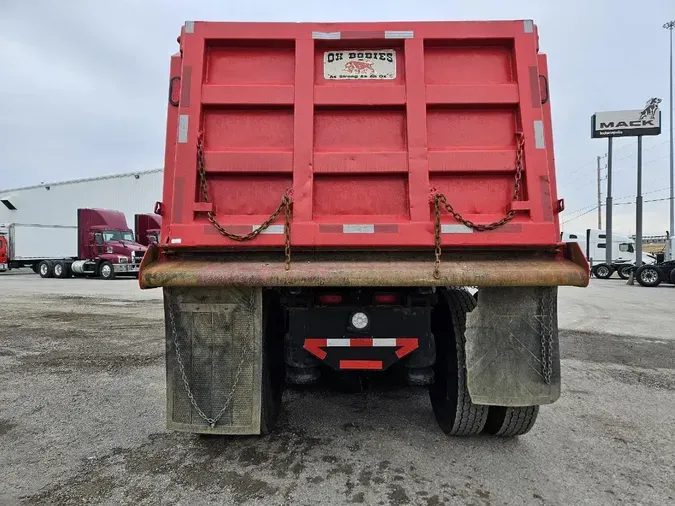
column 333, row 196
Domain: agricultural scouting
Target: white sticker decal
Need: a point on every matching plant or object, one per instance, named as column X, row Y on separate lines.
column 366, row 64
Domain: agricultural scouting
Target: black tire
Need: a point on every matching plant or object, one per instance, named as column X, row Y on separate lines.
column 624, row 271
column 273, row 367
column 106, row 270
column 603, row 271
column 61, row 270
column 46, row 269
column 672, row 277
column 455, row 413
column 509, row 422
column 648, row 275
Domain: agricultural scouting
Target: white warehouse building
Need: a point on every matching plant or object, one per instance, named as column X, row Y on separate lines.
column 57, row 203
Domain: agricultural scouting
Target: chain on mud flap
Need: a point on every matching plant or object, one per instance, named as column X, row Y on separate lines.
column 285, row 205
column 547, row 336
column 439, row 200
column 186, row 384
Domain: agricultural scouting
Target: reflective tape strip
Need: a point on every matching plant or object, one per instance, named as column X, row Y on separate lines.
column 326, row 35
column 371, row 365
column 366, row 228
column 384, row 341
column 363, row 342
column 337, row 343
column 455, row 228
column 189, row 27
column 539, row 141
column 271, row 230
column 183, row 121
column 394, row 34
column 528, row 26
column 358, row 229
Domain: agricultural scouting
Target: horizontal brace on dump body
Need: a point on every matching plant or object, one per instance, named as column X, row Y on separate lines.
column 407, row 235
column 498, row 269
column 356, row 94
column 442, row 30
column 473, row 161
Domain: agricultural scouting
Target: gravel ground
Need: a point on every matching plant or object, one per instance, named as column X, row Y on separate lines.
column 82, row 416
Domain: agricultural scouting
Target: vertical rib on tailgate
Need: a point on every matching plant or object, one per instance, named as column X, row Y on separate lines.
column 363, row 125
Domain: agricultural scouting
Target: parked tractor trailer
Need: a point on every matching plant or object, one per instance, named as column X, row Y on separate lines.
column 101, row 245
column 330, row 193
column 147, row 228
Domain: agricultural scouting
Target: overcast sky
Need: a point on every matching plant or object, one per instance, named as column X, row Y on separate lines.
column 84, row 82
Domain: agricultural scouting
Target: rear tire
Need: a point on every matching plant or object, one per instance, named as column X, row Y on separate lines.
column 46, row 269
column 455, row 413
column 602, row 271
column 509, row 422
column 106, row 270
column 648, row 275
column 61, row 270
column 624, row 271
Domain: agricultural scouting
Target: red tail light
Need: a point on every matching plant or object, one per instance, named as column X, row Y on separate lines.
column 330, row 299
column 386, row 298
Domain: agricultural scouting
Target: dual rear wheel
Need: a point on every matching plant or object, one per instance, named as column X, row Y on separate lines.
column 455, row 413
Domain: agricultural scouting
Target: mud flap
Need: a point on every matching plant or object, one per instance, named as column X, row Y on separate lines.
column 511, row 345
column 219, row 337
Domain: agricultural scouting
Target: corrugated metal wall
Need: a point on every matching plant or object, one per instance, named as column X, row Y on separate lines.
column 56, row 204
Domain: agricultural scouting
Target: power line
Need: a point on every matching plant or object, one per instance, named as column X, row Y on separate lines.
column 579, row 216
column 615, row 150
column 590, row 209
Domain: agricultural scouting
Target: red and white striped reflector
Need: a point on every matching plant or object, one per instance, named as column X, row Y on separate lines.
column 405, row 345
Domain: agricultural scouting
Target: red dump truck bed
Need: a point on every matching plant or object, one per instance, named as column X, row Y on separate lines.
column 362, row 125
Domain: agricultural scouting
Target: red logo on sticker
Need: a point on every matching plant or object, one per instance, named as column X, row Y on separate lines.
column 359, row 67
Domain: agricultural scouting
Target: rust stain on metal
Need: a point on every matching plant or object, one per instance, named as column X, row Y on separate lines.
column 529, row 271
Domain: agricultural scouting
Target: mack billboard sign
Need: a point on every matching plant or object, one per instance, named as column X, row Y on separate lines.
column 632, row 123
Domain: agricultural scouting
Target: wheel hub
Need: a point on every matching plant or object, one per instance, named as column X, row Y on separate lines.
column 649, row 276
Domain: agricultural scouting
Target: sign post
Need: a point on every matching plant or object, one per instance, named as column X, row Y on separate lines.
column 632, row 123
column 638, row 207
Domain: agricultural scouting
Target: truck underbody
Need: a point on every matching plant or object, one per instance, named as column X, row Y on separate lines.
column 240, row 327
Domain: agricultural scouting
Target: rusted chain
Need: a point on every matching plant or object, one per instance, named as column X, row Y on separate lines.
column 439, row 200
column 285, row 205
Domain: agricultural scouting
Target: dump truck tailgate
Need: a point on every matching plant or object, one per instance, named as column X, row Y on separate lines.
column 360, row 124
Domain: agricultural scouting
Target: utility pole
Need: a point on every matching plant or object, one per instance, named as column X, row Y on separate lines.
column 670, row 25
column 599, row 197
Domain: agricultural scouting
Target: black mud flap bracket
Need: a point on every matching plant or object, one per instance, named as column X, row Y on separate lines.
column 512, row 347
column 213, row 360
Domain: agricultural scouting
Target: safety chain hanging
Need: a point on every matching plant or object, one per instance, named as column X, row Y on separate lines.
column 286, row 206
column 439, row 200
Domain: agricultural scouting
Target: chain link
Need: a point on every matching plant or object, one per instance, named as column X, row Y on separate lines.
column 285, row 205
column 547, row 336
column 186, row 384
column 439, row 200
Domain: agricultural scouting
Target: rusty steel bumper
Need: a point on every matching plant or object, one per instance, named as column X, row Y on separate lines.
column 565, row 267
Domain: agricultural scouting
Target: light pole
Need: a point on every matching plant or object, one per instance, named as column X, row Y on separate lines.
column 670, row 25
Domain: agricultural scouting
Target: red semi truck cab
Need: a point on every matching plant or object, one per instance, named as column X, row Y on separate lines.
column 147, row 228
column 106, row 244
column 331, row 190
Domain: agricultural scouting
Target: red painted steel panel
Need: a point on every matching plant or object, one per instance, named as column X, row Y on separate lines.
column 360, row 123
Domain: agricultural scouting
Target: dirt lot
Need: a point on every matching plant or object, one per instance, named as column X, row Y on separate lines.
column 82, row 416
